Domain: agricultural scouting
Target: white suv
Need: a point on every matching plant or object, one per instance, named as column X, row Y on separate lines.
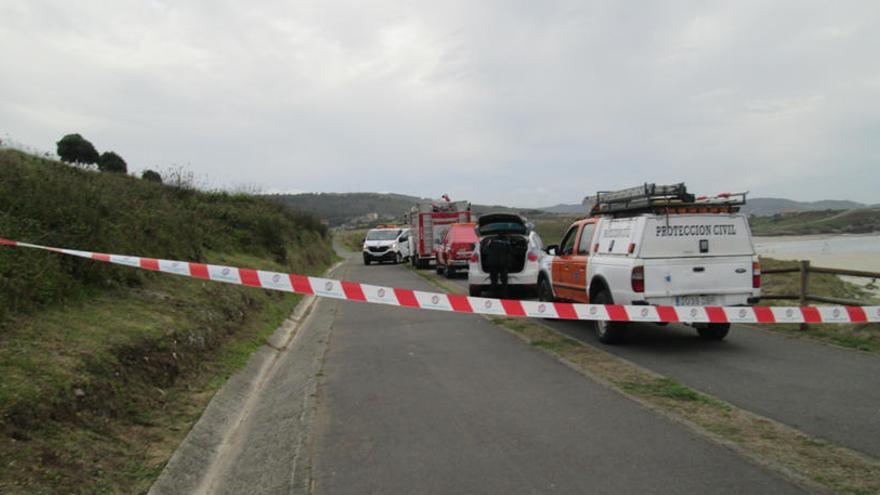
column 507, row 244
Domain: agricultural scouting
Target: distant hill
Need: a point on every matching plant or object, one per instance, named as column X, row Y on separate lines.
column 363, row 208
column 850, row 221
column 565, row 209
column 772, row 206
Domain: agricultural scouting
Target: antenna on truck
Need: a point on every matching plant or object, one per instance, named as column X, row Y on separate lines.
column 672, row 198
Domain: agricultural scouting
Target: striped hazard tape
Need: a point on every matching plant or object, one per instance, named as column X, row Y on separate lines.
column 355, row 291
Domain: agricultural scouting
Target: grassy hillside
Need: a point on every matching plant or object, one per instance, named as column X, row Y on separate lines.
column 773, row 206
column 857, row 221
column 106, row 368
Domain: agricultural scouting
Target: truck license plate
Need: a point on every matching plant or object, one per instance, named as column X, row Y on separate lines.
column 695, row 300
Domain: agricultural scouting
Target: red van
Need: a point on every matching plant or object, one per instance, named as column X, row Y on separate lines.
column 456, row 248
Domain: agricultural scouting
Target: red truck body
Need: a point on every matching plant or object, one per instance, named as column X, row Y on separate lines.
column 429, row 222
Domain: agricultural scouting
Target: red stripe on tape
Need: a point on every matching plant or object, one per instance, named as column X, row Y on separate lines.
column 301, row 284
column 764, row 314
column 617, row 312
column 460, row 303
column 512, row 307
column 150, row 264
column 856, row 314
column 716, row 314
column 7, row 242
column 249, row 277
column 811, row 315
column 353, row 291
column 667, row 313
column 199, row 270
column 406, row 297
column 566, row 310
column 101, row 257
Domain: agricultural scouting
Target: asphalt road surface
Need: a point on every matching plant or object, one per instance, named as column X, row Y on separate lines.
column 425, row 402
column 823, row 390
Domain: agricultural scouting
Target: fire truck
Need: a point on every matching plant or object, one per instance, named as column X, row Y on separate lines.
column 656, row 245
column 429, row 221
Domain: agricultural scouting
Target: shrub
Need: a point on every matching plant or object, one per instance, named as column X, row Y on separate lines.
column 151, row 175
column 111, row 162
column 73, row 148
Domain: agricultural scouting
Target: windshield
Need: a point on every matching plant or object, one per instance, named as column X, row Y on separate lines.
column 382, row 235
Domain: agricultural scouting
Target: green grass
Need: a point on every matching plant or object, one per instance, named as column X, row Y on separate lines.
column 353, row 240
column 666, row 388
column 105, row 368
column 555, row 345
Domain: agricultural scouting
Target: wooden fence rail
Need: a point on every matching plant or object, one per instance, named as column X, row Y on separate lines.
column 804, row 297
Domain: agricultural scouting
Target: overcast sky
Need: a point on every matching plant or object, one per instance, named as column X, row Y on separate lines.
column 525, row 103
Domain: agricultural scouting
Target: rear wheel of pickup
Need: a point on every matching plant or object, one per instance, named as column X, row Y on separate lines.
column 609, row 332
column 713, row 331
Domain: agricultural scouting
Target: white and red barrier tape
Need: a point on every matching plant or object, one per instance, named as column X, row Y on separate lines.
column 355, row 291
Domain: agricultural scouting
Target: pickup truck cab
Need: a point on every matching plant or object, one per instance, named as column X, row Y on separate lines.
column 683, row 256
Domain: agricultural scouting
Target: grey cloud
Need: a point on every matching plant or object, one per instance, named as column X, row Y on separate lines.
column 526, row 103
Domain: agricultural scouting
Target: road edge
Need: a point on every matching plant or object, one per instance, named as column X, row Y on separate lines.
column 202, row 456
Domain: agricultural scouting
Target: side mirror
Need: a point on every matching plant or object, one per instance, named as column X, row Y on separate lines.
column 551, row 249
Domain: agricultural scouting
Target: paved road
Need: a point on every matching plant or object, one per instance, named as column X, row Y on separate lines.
column 829, row 392
column 428, row 402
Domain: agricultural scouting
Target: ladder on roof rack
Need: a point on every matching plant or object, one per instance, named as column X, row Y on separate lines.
column 672, row 198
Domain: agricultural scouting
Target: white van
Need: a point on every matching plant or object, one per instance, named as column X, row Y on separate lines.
column 386, row 244
column 671, row 251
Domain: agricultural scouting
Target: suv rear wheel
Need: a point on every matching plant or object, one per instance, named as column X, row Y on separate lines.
column 713, row 331
column 545, row 292
column 609, row 332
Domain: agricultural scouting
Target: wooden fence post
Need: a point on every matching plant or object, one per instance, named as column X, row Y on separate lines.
column 805, row 282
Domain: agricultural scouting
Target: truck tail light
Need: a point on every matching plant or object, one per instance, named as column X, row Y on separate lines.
column 475, row 257
column 631, row 249
column 638, row 279
column 532, row 256
column 756, row 275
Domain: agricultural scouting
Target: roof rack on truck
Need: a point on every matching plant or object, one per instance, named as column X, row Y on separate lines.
column 655, row 198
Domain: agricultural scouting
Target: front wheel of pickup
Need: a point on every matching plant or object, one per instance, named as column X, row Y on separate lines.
column 609, row 332
column 713, row 331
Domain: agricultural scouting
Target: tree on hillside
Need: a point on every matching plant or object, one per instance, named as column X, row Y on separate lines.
column 111, row 162
column 73, row 148
column 151, row 175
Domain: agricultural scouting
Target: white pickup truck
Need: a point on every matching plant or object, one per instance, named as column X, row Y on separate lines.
column 665, row 249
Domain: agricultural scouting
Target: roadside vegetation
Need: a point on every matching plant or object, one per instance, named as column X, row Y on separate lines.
column 352, row 239
column 106, row 368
